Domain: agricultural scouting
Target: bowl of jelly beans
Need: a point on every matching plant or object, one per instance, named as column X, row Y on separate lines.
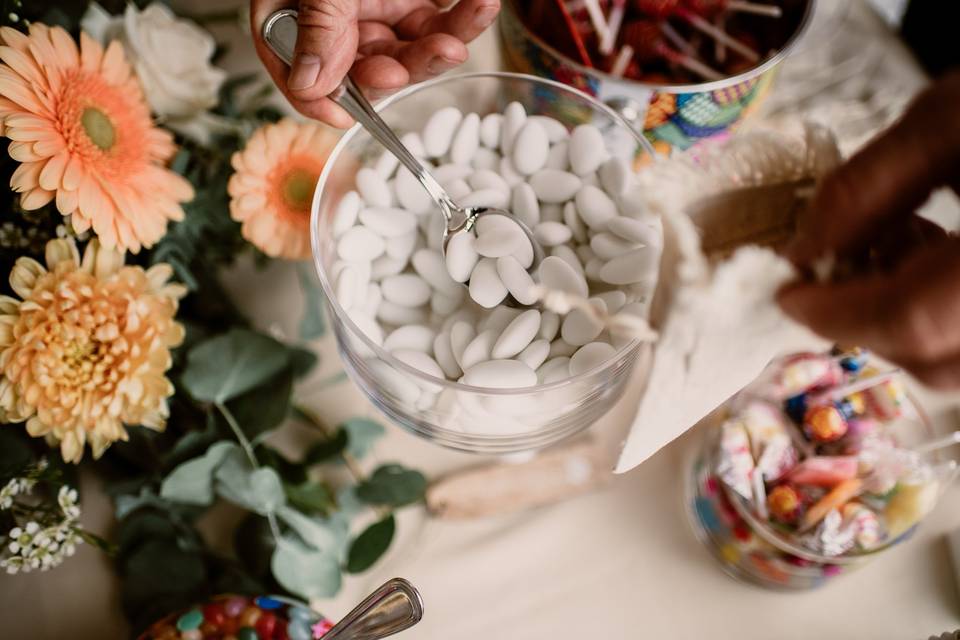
column 680, row 70
column 236, row 617
column 821, row 464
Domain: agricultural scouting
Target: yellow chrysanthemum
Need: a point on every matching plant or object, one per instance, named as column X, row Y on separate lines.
column 86, row 349
column 82, row 131
column 271, row 191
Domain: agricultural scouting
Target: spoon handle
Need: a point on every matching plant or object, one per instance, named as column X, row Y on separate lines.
column 392, row 608
column 280, row 34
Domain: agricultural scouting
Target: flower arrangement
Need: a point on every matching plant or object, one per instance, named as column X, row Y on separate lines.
column 138, row 170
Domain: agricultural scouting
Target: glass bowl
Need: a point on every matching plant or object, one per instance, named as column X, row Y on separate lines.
column 749, row 547
column 462, row 417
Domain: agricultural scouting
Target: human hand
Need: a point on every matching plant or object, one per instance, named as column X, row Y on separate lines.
column 908, row 309
column 387, row 44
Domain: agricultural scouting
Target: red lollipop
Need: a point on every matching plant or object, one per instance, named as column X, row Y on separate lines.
column 647, row 41
column 657, row 9
column 663, row 9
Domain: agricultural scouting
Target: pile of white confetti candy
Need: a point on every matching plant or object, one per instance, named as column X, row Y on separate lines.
column 393, row 280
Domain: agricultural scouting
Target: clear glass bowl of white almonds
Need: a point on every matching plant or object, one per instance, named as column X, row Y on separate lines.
column 462, row 368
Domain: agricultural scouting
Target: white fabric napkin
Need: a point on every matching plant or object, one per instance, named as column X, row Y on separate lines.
column 717, row 320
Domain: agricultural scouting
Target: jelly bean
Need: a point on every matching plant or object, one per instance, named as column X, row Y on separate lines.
column 247, row 633
column 190, row 620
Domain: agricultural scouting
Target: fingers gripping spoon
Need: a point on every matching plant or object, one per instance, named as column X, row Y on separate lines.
column 280, row 34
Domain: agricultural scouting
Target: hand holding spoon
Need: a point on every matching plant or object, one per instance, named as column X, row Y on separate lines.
column 280, row 34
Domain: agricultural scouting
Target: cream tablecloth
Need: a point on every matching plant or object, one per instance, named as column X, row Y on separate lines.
column 616, row 564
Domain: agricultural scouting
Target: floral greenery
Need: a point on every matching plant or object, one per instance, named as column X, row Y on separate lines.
column 234, row 386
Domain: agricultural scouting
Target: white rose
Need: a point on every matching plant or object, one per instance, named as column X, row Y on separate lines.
column 170, row 55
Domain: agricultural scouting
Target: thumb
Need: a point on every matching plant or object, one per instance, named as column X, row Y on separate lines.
column 326, row 47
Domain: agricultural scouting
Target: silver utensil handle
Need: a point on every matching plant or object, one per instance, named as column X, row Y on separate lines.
column 394, row 607
column 280, row 34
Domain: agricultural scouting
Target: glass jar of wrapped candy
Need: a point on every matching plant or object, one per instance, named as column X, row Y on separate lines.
column 822, row 463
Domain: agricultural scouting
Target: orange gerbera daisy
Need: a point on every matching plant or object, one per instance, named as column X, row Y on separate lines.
column 272, row 189
column 81, row 128
column 85, row 347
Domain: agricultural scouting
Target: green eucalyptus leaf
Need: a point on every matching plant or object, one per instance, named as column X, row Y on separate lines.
column 302, row 361
column 125, row 504
column 313, row 325
column 254, row 544
column 362, row 433
column 304, row 571
column 313, row 531
column 221, row 368
column 348, row 504
column 393, row 485
column 290, row 472
column 192, row 481
column 309, row 497
column 324, row 450
column 371, row 545
column 259, row 490
column 265, row 407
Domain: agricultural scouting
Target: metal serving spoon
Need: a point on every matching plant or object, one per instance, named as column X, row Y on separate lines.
column 394, row 607
column 280, row 34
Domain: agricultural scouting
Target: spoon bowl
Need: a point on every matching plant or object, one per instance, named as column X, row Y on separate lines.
column 280, row 34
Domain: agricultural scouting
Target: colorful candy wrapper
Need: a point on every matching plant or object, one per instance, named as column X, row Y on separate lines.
column 825, row 471
column 736, row 463
column 824, row 423
column 885, row 401
column 885, row 464
column 866, row 525
column 833, row 537
column 838, row 496
column 807, row 371
column 909, row 504
column 770, row 441
column 851, row 359
column 785, row 504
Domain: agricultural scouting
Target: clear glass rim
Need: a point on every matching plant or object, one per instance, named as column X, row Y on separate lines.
column 316, row 249
column 713, row 85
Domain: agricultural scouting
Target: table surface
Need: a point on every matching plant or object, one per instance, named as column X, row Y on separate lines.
column 620, row 562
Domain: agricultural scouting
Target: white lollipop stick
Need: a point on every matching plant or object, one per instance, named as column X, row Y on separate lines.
column 769, row 10
column 721, row 36
column 720, row 49
column 622, row 62
column 596, row 17
column 682, row 44
column 614, row 22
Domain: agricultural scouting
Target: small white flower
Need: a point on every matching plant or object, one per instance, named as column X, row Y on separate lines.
column 67, row 499
column 32, row 527
column 16, row 532
column 14, row 547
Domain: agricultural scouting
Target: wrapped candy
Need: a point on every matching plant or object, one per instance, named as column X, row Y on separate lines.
column 885, row 401
column 785, row 504
column 865, row 524
column 838, row 496
column 736, row 463
column 825, row 471
column 833, row 537
column 808, row 371
column 824, row 423
column 909, row 505
column 770, row 442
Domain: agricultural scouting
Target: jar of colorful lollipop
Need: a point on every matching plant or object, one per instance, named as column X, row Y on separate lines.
column 682, row 71
column 822, row 463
